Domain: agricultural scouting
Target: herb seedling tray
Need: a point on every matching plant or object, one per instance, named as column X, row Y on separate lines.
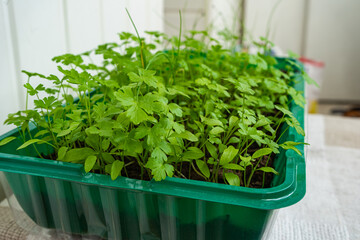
column 61, row 195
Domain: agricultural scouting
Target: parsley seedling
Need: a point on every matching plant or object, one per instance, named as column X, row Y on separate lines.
column 172, row 107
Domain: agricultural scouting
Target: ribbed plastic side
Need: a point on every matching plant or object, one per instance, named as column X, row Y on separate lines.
column 113, row 213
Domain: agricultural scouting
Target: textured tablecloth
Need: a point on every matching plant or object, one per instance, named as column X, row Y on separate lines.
column 331, row 207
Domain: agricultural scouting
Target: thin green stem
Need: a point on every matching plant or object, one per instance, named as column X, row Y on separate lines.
column 253, row 171
column 192, row 164
column 263, row 181
column 245, row 176
column 282, row 134
column 27, row 96
column 252, row 141
column 180, row 174
column 141, row 44
column 37, row 151
column 179, row 42
column 217, row 171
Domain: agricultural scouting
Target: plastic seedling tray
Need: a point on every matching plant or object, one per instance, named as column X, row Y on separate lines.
column 62, row 196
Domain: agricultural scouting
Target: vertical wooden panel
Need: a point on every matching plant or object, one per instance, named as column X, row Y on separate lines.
column 194, row 15
column 137, row 9
column 333, row 37
column 64, row 20
column 285, row 26
column 39, row 35
column 223, row 16
column 84, row 19
column 32, row 40
column 115, row 19
column 147, row 16
column 156, row 15
column 10, row 96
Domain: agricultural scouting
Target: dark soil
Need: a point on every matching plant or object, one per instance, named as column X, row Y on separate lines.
column 134, row 171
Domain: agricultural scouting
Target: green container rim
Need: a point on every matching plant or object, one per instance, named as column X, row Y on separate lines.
column 290, row 191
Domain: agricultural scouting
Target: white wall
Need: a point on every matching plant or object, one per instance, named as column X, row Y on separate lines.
column 194, row 15
column 9, row 86
column 285, row 27
column 210, row 15
column 329, row 33
column 224, row 14
column 32, row 32
column 333, row 36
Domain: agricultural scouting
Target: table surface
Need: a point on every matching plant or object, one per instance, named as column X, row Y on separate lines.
column 329, row 211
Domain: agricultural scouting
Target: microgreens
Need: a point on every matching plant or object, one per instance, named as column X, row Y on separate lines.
column 191, row 109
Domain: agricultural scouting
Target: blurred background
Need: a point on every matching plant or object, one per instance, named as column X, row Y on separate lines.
column 325, row 33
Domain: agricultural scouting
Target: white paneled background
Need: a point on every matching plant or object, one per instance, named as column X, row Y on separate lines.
column 286, row 26
column 194, row 15
column 333, row 36
column 210, row 15
column 34, row 31
column 322, row 30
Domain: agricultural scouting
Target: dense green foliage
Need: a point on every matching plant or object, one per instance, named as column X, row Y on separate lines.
column 196, row 104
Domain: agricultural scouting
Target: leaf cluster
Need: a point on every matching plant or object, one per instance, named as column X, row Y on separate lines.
column 168, row 107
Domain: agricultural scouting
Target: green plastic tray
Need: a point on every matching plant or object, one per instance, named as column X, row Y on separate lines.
column 62, row 196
